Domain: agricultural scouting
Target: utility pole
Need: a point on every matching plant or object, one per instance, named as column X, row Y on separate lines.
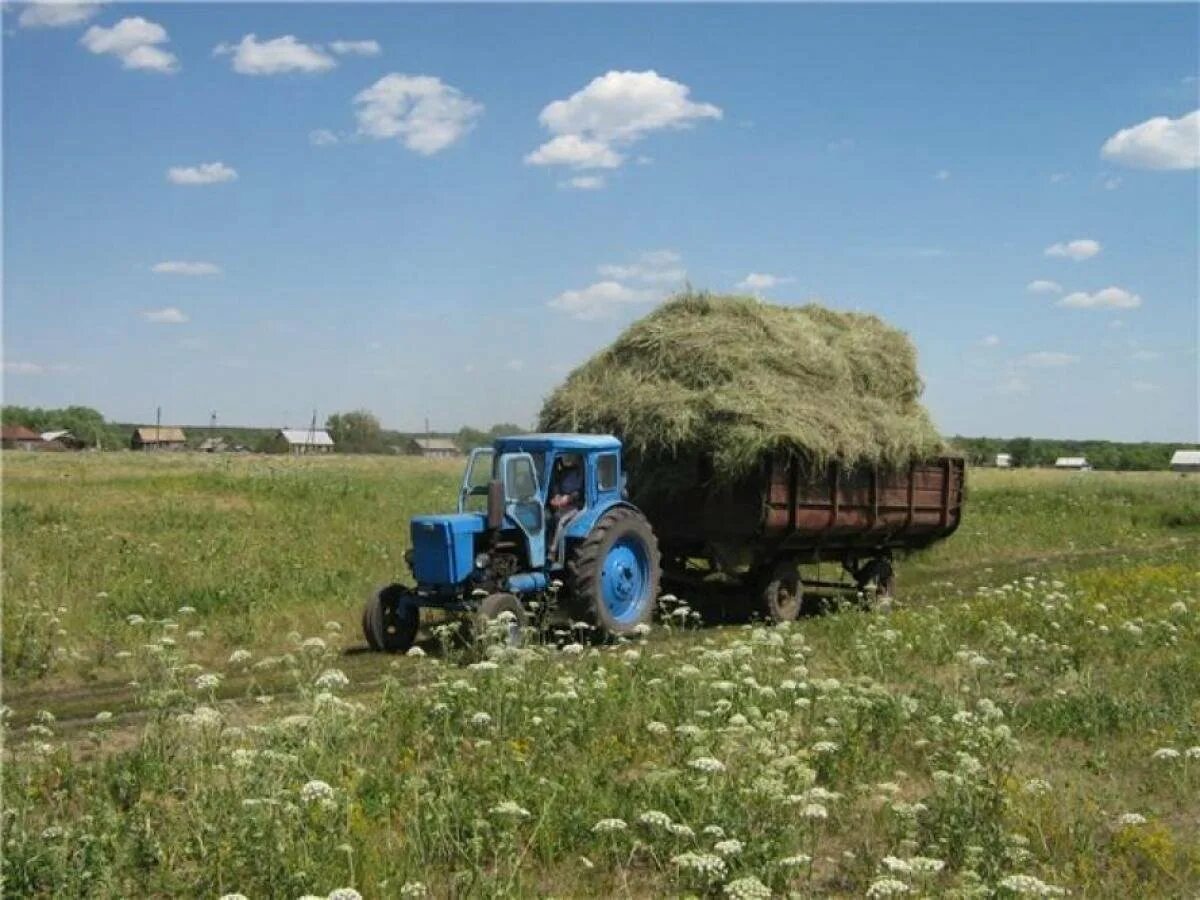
column 158, row 428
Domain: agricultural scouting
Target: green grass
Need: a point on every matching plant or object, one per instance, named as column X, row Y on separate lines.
column 1002, row 718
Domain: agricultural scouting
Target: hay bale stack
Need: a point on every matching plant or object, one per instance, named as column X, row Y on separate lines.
column 735, row 379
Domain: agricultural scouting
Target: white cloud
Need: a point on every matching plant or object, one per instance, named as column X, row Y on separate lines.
column 168, row 315
column 1145, row 355
column 1143, row 387
column 205, row 173
column 421, row 111
column 990, row 340
column 50, row 14
column 1047, row 359
column 600, row 300
column 1059, row 177
column 1083, row 248
column 276, row 56
column 182, row 267
column 515, row 365
column 1111, row 184
column 841, row 144
column 1108, row 298
column 1158, row 143
column 942, row 175
column 355, row 48
column 757, row 282
column 579, row 153
column 133, row 41
column 614, row 110
column 1042, row 286
column 322, row 137
column 584, row 182
column 1012, row 384
column 14, row 367
column 654, row 267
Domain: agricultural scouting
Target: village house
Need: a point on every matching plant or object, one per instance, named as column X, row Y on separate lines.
column 1185, row 461
column 302, row 440
column 18, row 437
column 156, row 437
column 437, row 448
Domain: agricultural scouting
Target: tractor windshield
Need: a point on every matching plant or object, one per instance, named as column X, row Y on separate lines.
column 473, row 497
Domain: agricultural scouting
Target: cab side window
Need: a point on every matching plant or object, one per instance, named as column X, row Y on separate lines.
column 606, row 472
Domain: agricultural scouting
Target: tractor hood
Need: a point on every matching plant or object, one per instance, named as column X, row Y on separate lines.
column 444, row 547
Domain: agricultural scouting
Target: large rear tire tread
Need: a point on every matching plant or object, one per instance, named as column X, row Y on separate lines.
column 586, row 562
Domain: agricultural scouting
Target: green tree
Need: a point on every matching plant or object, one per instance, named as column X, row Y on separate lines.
column 355, row 432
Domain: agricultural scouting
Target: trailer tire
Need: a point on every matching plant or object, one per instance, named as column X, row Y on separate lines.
column 497, row 606
column 877, row 580
column 783, row 592
column 390, row 619
column 615, row 573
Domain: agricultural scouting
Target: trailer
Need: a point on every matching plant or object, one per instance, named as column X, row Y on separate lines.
column 755, row 534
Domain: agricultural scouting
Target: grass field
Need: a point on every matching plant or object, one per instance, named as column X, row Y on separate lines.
column 187, row 714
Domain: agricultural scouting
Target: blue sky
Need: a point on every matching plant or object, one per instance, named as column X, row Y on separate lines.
column 438, row 211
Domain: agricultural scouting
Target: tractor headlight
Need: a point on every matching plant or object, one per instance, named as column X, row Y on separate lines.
column 482, row 560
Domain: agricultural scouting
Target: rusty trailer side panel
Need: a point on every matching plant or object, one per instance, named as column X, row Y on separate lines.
column 827, row 514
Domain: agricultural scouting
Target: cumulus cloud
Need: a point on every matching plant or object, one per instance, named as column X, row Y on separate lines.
column 757, row 282
column 168, row 315
column 584, row 183
column 654, row 267
column 1159, row 143
column 420, row 111
column 322, row 137
column 355, row 48
column 135, row 42
column 1042, row 286
column 601, row 300
column 182, row 267
column 1108, row 298
column 250, row 56
column 1047, row 359
column 613, row 111
column 1083, row 248
column 576, row 152
column 205, row 173
column 51, row 14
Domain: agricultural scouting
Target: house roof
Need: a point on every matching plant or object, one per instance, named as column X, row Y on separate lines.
column 1186, row 458
column 303, row 437
column 55, row 435
column 436, row 444
column 153, row 434
column 18, row 433
column 1071, row 462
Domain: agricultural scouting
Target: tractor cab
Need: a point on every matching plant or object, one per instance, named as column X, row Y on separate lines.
column 530, row 508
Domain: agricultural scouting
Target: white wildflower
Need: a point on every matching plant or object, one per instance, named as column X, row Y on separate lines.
column 729, row 847
column 1166, row 753
column 239, row 657
column 707, row 764
column 886, row 887
column 1028, row 885
column 747, row 888
column 609, row 826
column 414, row 889
column 1130, row 819
column 208, row 682
column 481, row 719
column 655, row 819
column 332, row 679
column 315, row 790
column 794, row 862
column 509, row 809
column 706, row 865
column 344, row 894
column 658, row 728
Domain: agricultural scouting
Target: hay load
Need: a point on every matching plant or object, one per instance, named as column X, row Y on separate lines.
column 734, row 380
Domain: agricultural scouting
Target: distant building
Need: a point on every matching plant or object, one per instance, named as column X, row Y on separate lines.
column 1003, row 460
column 213, row 445
column 302, row 440
column 61, row 440
column 1185, row 461
column 18, row 437
column 437, row 448
column 1078, row 463
column 155, row 437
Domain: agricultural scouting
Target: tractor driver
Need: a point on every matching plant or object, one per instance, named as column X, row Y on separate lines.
column 566, row 493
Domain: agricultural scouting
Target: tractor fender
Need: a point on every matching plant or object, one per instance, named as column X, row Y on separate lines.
column 581, row 526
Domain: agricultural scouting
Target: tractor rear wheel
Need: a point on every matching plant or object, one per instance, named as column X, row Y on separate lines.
column 501, row 618
column 783, row 592
column 615, row 573
column 390, row 619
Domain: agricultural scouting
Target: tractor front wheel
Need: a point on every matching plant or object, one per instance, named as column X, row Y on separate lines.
column 390, row 619
column 501, row 618
column 615, row 572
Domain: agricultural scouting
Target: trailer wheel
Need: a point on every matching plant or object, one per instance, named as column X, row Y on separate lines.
column 497, row 610
column 390, row 619
column 615, row 572
column 877, row 579
column 783, row 592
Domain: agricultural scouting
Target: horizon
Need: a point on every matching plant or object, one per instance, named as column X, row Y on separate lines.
column 436, row 212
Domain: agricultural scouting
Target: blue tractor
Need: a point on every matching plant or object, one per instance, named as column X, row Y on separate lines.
column 535, row 511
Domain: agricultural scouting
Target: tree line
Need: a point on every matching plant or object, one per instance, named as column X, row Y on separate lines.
column 1027, row 452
